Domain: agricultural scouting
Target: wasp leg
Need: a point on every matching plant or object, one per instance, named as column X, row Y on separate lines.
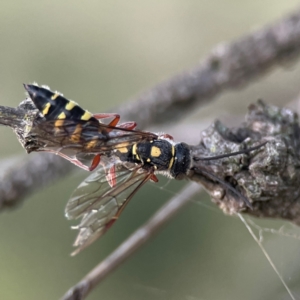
column 113, row 123
column 95, row 162
column 111, row 176
column 110, row 223
column 128, row 125
column 166, row 136
column 99, row 116
column 154, row 178
column 74, row 161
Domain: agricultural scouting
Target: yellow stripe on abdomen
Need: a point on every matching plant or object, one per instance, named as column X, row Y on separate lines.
column 46, row 109
column 54, row 96
column 70, row 105
column 86, row 116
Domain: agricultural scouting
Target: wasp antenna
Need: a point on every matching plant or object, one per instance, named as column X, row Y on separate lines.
column 230, row 154
column 227, row 186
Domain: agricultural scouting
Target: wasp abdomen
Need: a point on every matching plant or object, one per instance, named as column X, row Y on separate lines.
column 54, row 106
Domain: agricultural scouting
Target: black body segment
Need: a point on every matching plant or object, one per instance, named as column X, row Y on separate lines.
column 54, row 106
column 182, row 160
column 159, row 154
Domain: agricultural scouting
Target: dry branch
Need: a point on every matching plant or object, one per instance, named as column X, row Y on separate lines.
column 228, row 66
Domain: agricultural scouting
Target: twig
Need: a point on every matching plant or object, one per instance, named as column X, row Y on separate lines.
column 133, row 243
column 18, row 178
column 228, row 66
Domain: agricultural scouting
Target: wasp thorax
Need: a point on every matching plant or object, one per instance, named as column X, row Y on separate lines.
column 158, row 153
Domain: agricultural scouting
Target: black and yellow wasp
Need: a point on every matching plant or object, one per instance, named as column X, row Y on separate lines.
column 126, row 159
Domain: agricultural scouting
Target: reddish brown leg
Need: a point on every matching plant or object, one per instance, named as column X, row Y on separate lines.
column 167, row 136
column 74, row 161
column 128, row 125
column 154, row 178
column 106, row 116
column 113, row 123
column 109, row 224
column 95, row 162
column 111, row 176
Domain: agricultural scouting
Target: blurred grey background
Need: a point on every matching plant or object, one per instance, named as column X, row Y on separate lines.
column 100, row 53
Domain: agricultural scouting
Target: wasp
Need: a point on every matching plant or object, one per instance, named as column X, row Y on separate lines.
column 125, row 158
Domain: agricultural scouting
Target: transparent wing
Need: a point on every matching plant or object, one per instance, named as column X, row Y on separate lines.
column 99, row 204
column 73, row 139
column 72, row 133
